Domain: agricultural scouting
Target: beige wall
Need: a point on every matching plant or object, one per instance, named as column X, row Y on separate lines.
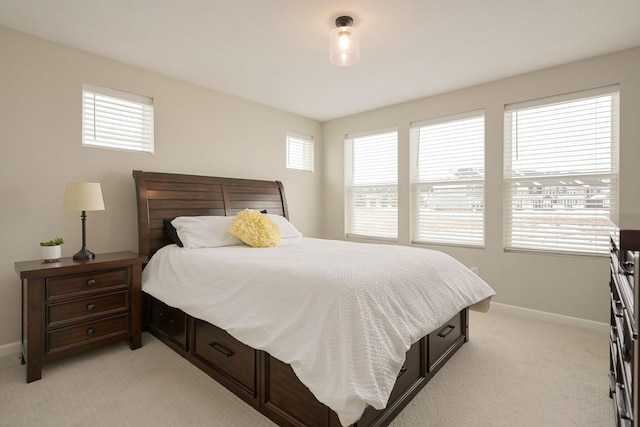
column 568, row 285
column 202, row 131
column 197, row 131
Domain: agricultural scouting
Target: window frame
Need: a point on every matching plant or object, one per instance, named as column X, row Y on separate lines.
column 545, row 181
column 350, row 186
column 133, row 131
column 307, row 146
column 461, row 217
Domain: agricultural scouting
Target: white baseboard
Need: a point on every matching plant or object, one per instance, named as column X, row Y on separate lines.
column 13, row 348
column 551, row 317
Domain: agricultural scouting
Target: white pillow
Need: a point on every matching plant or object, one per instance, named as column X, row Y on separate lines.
column 287, row 230
column 205, row 231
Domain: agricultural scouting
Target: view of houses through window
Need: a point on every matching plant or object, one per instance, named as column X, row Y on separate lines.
column 560, row 176
column 448, row 180
column 561, row 170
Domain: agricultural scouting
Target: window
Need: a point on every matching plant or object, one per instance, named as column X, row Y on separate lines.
column 561, row 171
column 116, row 119
column 448, row 180
column 299, row 152
column 372, row 185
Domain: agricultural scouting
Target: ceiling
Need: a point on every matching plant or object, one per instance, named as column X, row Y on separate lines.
column 275, row 52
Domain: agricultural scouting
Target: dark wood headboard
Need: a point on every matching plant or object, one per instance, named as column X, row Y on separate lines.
column 163, row 196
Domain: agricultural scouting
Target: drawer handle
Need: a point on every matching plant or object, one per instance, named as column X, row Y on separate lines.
column 91, row 307
column 443, row 333
column 625, row 415
column 627, row 268
column 626, row 352
column 612, row 382
column 90, row 331
column 222, row 349
column 402, row 371
column 618, row 308
column 91, row 282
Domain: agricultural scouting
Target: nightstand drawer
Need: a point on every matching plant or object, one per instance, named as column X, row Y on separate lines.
column 66, row 286
column 61, row 339
column 86, row 308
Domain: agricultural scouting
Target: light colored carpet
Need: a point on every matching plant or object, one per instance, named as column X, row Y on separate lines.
column 514, row 371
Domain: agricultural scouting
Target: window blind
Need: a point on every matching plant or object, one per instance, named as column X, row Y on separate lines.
column 561, row 172
column 116, row 119
column 372, row 185
column 448, row 180
column 299, row 152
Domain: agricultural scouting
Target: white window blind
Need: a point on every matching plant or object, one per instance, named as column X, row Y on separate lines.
column 448, row 180
column 116, row 119
column 561, row 172
column 299, row 152
column 372, row 185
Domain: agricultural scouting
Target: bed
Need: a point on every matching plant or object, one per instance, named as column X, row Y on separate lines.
column 231, row 344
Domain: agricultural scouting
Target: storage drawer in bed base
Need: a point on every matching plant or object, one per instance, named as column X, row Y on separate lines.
column 443, row 340
column 272, row 387
column 167, row 322
column 229, row 357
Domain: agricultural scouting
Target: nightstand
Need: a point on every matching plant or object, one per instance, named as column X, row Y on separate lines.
column 73, row 306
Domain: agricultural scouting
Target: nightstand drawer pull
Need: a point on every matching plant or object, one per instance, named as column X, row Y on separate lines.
column 222, row 349
column 446, row 332
column 91, row 307
column 91, row 282
column 90, row 331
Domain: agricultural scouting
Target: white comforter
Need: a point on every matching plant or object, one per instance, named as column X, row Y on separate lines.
column 342, row 314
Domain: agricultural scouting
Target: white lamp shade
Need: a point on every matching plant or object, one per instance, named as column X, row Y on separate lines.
column 344, row 46
column 83, row 196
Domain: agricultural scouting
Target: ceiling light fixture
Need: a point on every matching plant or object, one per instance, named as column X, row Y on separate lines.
column 344, row 43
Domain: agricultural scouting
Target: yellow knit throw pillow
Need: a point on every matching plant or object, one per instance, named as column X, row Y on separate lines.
column 255, row 229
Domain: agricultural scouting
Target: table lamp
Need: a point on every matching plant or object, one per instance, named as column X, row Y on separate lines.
column 83, row 196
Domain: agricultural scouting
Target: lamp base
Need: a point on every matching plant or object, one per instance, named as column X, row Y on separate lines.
column 83, row 254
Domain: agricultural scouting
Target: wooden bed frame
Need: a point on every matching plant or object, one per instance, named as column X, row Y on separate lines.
column 267, row 384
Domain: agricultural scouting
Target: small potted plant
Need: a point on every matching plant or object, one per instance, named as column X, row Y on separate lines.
column 52, row 250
